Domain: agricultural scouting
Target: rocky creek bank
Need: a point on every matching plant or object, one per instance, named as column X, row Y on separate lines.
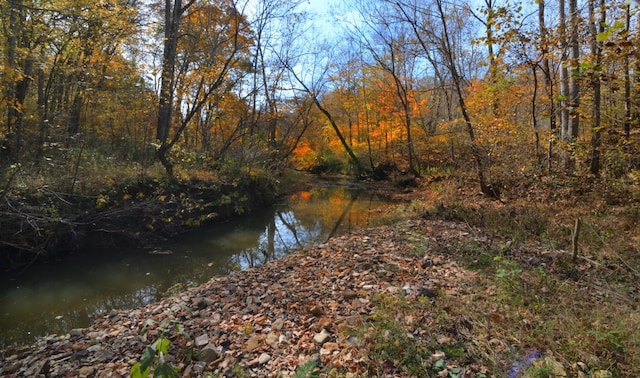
column 270, row 320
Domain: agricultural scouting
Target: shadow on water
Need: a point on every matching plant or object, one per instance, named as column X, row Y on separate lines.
column 55, row 298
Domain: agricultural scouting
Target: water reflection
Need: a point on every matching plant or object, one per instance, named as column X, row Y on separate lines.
column 55, row 298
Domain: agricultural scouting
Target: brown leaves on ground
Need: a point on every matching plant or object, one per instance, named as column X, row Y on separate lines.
column 392, row 301
column 269, row 320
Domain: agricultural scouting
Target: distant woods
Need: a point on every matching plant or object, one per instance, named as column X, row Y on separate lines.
column 505, row 90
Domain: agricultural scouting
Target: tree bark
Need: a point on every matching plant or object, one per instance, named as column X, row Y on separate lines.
column 564, row 88
column 486, row 188
column 548, row 80
column 172, row 14
column 596, row 27
column 574, row 78
column 627, row 76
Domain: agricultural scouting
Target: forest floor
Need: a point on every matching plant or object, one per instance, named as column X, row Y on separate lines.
column 426, row 293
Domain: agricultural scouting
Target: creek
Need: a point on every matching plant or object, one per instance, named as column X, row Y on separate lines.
column 56, row 297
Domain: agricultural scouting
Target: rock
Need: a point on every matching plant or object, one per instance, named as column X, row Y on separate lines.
column 80, row 355
column 331, row 346
column 86, row 371
column 277, row 324
column 426, row 292
column 76, row 332
column 104, row 355
column 209, row 354
column 198, row 367
column 427, row 262
column 77, row 346
column 272, row 340
column 322, row 337
column 264, row 358
column 202, row 340
column 438, row 355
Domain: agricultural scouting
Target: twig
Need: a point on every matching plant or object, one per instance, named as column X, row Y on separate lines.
column 75, row 168
column 574, row 240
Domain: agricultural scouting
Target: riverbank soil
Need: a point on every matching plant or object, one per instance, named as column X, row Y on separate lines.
column 449, row 285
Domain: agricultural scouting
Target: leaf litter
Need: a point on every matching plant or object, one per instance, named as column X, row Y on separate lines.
column 313, row 308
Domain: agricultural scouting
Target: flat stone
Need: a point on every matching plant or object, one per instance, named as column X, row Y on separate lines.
column 322, row 337
column 202, row 340
column 277, row 324
column 86, row 371
column 209, row 354
column 199, row 367
column 80, row 355
column 264, row 358
column 272, row 340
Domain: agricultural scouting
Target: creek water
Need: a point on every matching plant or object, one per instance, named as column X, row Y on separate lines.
column 57, row 297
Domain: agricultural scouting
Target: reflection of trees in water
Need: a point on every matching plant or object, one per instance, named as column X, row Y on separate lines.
column 282, row 234
column 135, row 279
column 287, row 231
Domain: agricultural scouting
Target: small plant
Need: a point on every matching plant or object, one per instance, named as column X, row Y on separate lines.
column 307, row 370
column 162, row 369
column 153, row 355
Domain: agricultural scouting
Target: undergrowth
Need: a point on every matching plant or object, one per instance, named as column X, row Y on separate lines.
column 576, row 314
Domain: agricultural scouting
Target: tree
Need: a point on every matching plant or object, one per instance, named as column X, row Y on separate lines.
column 17, row 72
column 596, row 27
column 269, row 17
column 548, row 76
column 309, row 69
column 313, row 93
column 573, row 127
column 208, row 53
column 564, row 82
column 173, row 12
column 432, row 29
column 387, row 40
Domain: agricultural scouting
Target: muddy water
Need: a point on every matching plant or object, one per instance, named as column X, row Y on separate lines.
column 55, row 298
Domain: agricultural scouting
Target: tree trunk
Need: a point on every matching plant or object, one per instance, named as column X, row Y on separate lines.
column 12, row 77
column 486, row 188
column 172, row 13
column 596, row 54
column 574, row 78
column 627, row 76
column 548, row 80
column 564, row 87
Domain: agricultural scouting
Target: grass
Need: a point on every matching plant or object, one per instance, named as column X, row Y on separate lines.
column 534, row 311
column 397, row 342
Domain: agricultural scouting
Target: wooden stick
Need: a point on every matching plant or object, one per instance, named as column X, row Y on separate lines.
column 574, row 240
